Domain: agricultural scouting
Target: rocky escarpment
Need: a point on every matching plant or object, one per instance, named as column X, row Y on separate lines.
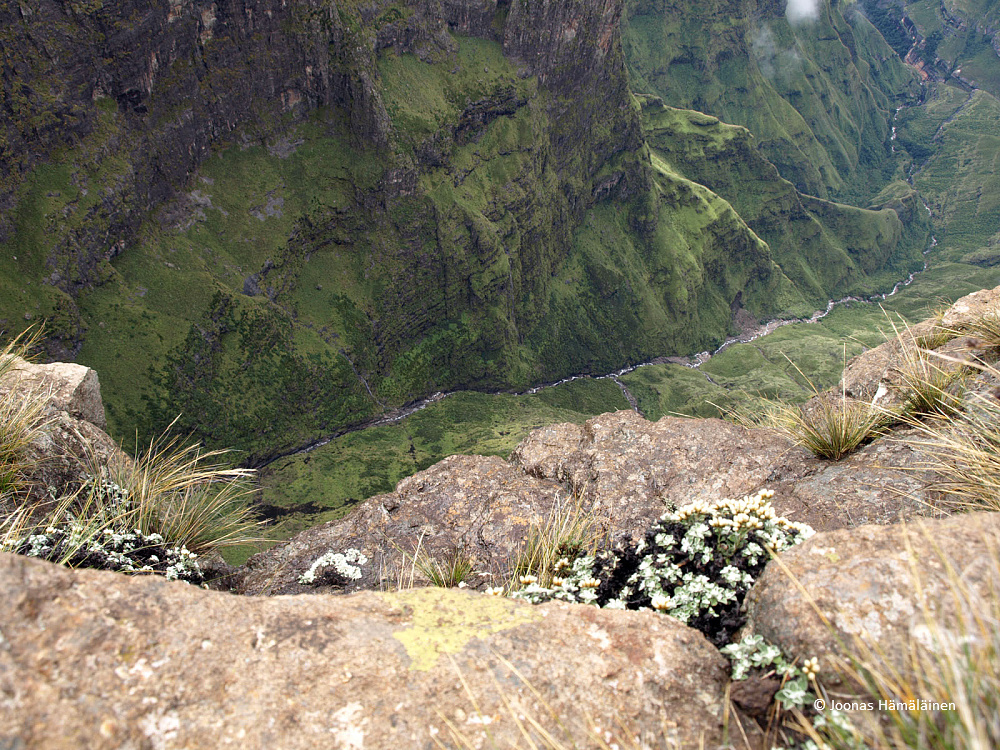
column 329, row 213
column 818, row 243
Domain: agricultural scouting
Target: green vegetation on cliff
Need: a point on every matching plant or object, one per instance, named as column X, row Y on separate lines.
column 446, row 199
column 502, row 235
column 817, row 96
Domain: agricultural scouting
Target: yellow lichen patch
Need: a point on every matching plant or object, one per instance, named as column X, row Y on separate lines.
column 444, row 621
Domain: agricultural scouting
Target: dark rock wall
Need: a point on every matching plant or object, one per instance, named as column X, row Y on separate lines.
column 187, row 75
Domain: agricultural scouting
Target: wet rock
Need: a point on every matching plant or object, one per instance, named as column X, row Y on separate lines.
column 96, row 659
column 754, row 695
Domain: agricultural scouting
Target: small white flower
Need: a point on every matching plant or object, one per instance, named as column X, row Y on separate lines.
column 661, row 603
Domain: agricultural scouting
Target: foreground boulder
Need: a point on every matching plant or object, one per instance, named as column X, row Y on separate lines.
column 624, row 469
column 72, row 439
column 868, row 588
column 95, row 659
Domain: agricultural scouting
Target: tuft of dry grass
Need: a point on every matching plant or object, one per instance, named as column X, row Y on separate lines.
column 454, row 568
column 964, row 451
column 929, row 384
column 828, row 427
column 985, row 330
column 569, row 532
column 180, row 492
column 928, row 388
column 22, row 414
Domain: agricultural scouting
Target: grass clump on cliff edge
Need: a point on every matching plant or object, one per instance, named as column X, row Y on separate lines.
column 964, row 451
column 569, row 532
column 21, row 414
column 181, row 493
column 154, row 514
column 828, row 427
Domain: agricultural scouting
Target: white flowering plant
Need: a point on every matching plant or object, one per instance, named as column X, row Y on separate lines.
column 335, row 568
column 754, row 654
column 755, row 657
column 78, row 544
column 696, row 564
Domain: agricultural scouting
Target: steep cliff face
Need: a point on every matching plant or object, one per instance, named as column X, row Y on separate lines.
column 182, row 74
column 110, row 107
column 819, row 244
column 816, row 93
column 282, row 218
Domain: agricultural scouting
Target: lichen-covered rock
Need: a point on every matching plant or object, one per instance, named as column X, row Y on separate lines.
column 626, row 470
column 876, row 375
column 870, row 584
column 94, row 659
column 482, row 505
column 635, row 468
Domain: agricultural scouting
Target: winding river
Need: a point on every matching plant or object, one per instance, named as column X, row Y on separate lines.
column 694, row 361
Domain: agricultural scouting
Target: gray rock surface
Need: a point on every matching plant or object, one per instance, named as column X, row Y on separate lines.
column 622, row 467
column 99, row 660
column 868, row 585
column 72, row 388
column 481, row 504
column 875, row 375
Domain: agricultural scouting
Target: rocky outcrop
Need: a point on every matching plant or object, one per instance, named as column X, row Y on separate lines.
column 623, row 468
column 101, row 660
column 877, row 375
column 880, row 589
column 71, row 439
column 68, row 387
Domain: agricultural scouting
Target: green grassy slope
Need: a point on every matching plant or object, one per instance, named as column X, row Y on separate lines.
column 959, row 179
column 820, row 245
column 816, row 96
column 769, row 367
